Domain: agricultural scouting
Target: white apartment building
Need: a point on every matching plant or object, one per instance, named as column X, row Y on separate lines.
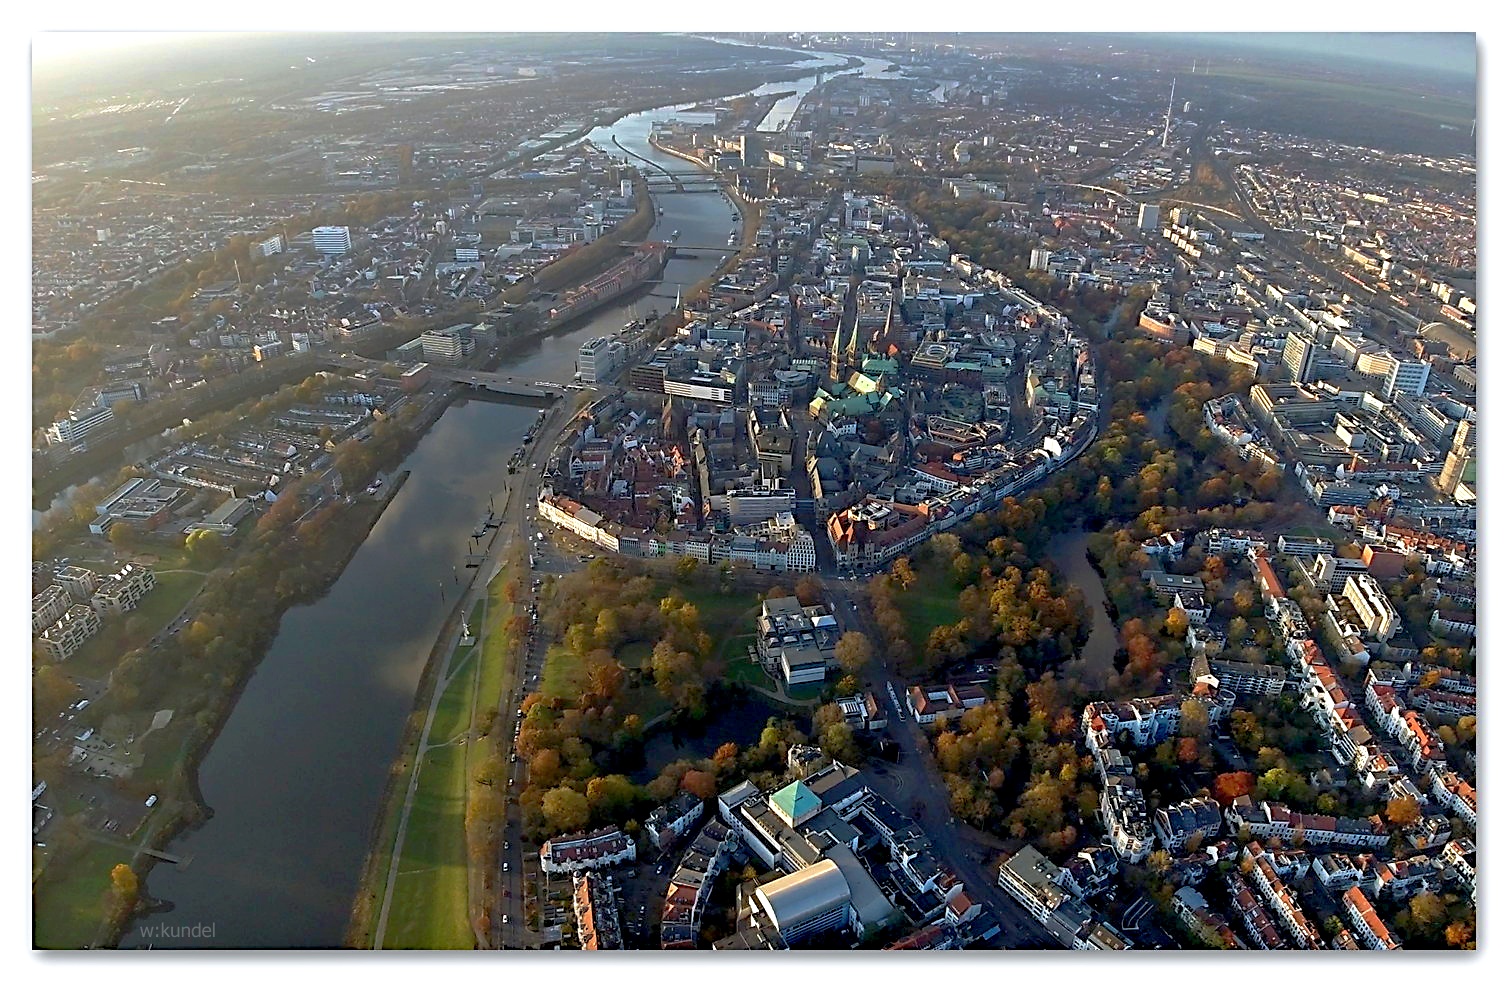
column 47, row 607
column 1377, row 613
column 121, row 591
column 77, row 625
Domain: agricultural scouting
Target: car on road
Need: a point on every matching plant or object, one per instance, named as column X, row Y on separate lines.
column 505, row 918
column 505, row 867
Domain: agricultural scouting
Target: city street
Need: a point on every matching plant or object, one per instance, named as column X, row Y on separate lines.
column 919, row 791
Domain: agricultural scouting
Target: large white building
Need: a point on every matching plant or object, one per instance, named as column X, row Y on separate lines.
column 1408, row 377
column 332, row 240
column 448, row 345
column 586, row 850
column 1377, row 613
column 47, row 607
column 1034, row 881
column 795, row 641
column 121, row 591
column 599, row 358
column 74, row 427
column 77, row 625
column 807, row 902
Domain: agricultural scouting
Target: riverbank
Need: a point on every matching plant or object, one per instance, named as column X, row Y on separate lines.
column 384, row 831
column 444, row 789
column 181, row 805
column 750, row 212
column 580, row 265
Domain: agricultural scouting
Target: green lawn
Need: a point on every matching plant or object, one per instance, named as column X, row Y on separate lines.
column 97, row 657
column 429, row 908
column 564, row 675
column 66, row 913
column 636, row 654
column 930, row 603
column 1321, row 532
column 646, row 701
column 736, row 664
column 722, row 613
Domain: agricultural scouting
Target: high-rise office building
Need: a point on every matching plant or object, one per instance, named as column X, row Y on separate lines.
column 332, row 240
column 1299, row 356
column 1408, row 377
column 448, row 345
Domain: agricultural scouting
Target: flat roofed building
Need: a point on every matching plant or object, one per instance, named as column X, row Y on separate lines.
column 1376, row 611
column 800, row 643
column 332, row 240
column 120, row 592
column 77, row 625
column 47, row 607
column 78, row 581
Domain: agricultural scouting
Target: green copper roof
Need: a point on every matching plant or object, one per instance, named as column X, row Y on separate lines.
column 795, row 799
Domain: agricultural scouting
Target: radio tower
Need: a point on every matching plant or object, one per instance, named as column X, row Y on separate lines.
column 1167, row 122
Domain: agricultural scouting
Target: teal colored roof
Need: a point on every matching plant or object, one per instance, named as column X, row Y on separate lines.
column 795, row 799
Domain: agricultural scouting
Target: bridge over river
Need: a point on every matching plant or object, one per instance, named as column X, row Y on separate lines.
column 509, row 385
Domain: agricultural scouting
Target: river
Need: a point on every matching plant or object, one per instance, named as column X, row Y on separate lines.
column 1068, row 552
column 821, row 62
column 296, row 775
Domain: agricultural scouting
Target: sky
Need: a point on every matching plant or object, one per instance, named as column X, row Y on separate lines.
column 1452, row 54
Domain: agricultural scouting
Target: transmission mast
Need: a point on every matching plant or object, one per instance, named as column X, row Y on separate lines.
column 1167, row 122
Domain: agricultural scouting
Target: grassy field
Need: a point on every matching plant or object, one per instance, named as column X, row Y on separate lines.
column 930, row 603
column 97, row 657
column 636, row 654
column 723, row 614
column 564, row 676
column 429, row 908
column 736, row 664
column 67, row 913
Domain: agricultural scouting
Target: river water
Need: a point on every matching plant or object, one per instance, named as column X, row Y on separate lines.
column 296, row 776
column 1068, row 552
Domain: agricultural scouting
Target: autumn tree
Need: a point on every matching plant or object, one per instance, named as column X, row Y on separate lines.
column 700, row 783
column 204, row 547
column 610, row 797
column 854, row 652
column 125, row 889
column 902, row 573
column 1188, row 750
column 809, row 590
column 1403, row 810
column 1459, row 934
column 122, row 535
column 833, row 735
column 1428, row 913
column 1194, row 720
column 565, row 809
column 544, row 768
column 725, row 758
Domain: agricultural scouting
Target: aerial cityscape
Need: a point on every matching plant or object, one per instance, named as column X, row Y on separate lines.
column 786, row 491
